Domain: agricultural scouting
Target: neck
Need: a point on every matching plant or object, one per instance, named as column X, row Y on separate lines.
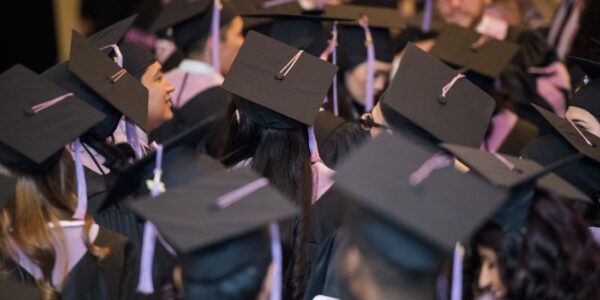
column 203, row 56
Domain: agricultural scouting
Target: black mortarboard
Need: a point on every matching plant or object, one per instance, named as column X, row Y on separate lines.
column 255, row 7
column 191, row 20
column 13, row 290
column 588, row 98
column 136, row 59
column 446, row 207
column 589, row 67
column 292, row 84
column 498, row 173
column 577, row 137
column 461, row 117
column 34, row 131
column 459, row 47
column 107, row 79
column 352, row 50
column 7, row 189
column 379, row 17
column 180, row 164
column 111, row 34
column 191, row 217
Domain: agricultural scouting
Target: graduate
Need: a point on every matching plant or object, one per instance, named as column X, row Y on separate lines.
column 223, row 253
column 48, row 239
column 85, row 76
column 269, row 132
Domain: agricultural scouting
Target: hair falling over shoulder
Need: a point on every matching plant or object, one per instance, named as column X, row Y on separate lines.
column 41, row 199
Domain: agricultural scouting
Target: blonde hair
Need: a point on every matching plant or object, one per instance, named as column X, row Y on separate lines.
column 40, row 199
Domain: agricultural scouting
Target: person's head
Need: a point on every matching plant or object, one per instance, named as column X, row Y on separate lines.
column 232, row 270
column 487, row 245
column 281, row 155
column 142, row 65
column 356, row 80
column 159, row 95
column 465, row 13
column 41, row 198
column 198, row 45
column 353, row 60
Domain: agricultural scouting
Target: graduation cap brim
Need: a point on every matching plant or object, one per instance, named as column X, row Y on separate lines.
column 378, row 17
column 127, row 94
column 13, row 290
column 248, row 8
column 462, row 117
column 187, row 216
column 113, row 33
column 493, row 170
column 448, row 206
column 7, row 189
column 589, row 67
column 296, row 17
column 178, row 11
column 570, row 133
column 454, row 45
column 129, row 180
column 38, row 136
column 297, row 96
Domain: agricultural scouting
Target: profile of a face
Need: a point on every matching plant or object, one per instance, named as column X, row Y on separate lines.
column 489, row 282
column 464, row 13
column 356, row 80
column 583, row 119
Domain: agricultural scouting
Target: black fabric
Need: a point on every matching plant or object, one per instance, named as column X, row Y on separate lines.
column 323, row 279
column 136, row 59
column 523, row 133
column 588, row 98
column 304, row 34
column 93, row 279
column 12, row 290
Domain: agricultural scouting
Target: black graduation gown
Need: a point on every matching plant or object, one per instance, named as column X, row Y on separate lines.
column 323, row 279
column 94, row 279
column 117, row 218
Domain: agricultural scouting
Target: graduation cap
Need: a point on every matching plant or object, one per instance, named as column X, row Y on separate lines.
column 38, row 120
column 180, row 164
column 177, row 11
column 585, row 142
column 447, row 207
column 431, row 95
column 13, row 290
column 589, row 67
column 191, row 216
column 136, row 59
column 507, row 171
column 113, row 33
column 107, row 79
column 7, row 189
column 379, row 17
column 292, row 83
column 466, row 48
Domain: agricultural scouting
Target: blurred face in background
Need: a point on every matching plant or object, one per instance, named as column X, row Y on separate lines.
column 159, row 96
column 465, row 13
column 489, row 281
column 356, row 80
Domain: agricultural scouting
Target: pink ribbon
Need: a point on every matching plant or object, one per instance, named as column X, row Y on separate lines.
column 232, row 197
column 288, row 67
column 581, row 134
column 272, row 3
column 437, row 161
column 450, row 84
column 369, row 97
column 115, row 77
column 504, row 161
column 39, row 107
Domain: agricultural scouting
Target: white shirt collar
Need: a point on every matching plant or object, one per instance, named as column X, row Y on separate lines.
column 196, row 66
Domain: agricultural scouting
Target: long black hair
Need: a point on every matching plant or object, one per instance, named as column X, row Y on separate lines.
column 282, row 156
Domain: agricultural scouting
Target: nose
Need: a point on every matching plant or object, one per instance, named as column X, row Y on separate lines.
column 485, row 280
column 170, row 86
column 455, row 3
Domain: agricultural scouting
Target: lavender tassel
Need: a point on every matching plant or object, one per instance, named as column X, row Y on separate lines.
column 145, row 283
column 369, row 97
column 457, row 267
column 426, row 25
column 277, row 261
column 215, row 28
column 81, row 210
